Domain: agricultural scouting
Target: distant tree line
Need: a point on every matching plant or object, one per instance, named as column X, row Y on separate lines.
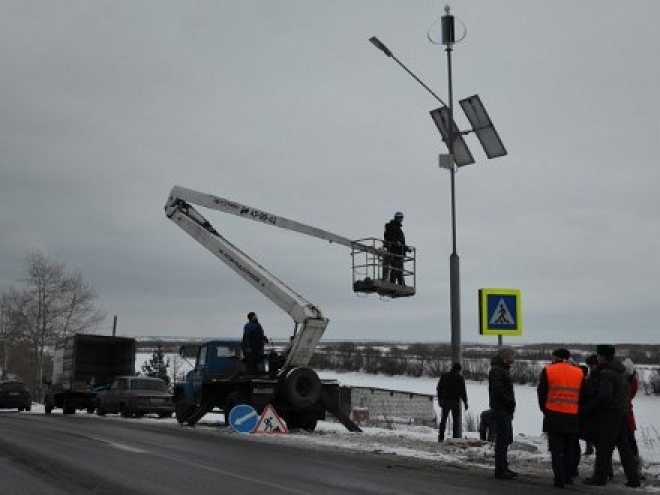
column 47, row 304
column 432, row 360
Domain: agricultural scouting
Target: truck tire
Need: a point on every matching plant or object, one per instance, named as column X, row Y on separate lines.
column 302, row 387
column 99, row 409
column 182, row 411
column 124, row 411
column 67, row 407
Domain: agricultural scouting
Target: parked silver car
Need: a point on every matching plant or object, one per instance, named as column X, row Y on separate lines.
column 135, row 396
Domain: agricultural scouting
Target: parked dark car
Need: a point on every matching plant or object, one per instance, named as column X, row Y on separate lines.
column 14, row 394
column 135, row 396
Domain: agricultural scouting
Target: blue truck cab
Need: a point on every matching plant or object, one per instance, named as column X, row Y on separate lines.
column 219, row 380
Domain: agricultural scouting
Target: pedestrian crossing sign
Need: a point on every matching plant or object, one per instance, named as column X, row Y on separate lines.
column 271, row 422
column 500, row 312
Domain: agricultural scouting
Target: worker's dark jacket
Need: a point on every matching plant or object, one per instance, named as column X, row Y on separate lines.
column 253, row 339
column 500, row 387
column 395, row 241
column 451, row 388
column 613, row 388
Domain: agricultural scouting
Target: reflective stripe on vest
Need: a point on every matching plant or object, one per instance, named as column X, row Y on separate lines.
column 564, row 383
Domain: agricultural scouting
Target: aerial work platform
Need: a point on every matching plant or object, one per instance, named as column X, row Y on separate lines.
column 373, row 266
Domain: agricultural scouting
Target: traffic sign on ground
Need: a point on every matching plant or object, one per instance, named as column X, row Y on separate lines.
column 243, row 418
column 271, row 422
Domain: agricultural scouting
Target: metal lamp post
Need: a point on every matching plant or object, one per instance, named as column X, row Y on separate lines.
column 459, row 155
column 448, row 40
column 451, row 135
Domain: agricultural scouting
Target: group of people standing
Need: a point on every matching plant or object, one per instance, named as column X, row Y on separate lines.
column 597, row 408
column 592, row 403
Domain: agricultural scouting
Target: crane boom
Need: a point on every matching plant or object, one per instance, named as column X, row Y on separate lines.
column 309, row 318
column 251, row 213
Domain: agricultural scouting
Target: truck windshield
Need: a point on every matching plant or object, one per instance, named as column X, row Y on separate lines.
column 149, row 385
column 221, row 351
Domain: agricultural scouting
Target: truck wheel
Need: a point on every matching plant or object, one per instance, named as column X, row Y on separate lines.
column 68, row 408
column 90, row 409
column 99, row 410
column 302, row 387
column 124, row 411
column 182, row 411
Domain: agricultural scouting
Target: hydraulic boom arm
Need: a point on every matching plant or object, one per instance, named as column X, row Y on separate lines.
column 311, row 321
column 244, row 211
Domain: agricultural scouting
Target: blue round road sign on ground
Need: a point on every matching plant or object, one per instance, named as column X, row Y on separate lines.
column 243, row 418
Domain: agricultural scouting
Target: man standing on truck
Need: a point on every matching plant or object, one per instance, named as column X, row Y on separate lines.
column 253, row 344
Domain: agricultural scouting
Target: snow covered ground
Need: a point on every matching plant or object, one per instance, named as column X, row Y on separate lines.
column 528, row 455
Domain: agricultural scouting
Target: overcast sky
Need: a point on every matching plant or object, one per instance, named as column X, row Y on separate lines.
column 287, row 107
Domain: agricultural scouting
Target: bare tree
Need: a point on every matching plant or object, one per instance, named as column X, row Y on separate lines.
column 12, row 332
column 7, row 333
column 52, row 305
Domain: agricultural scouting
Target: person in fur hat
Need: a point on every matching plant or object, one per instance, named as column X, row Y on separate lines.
column 610, row 408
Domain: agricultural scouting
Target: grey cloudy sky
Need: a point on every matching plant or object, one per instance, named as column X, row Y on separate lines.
column 287, row 107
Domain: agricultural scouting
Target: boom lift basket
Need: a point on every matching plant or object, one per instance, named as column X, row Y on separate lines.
column 371, row 264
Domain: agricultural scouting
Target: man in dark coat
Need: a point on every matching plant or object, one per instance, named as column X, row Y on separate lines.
column 609, row 407
column 451, row 391
column 253, row 344
column 395, row 243
column 503, row 404
column 559, row 399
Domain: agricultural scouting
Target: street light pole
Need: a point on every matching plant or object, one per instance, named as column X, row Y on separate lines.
column 459, row 155
column 448, row 40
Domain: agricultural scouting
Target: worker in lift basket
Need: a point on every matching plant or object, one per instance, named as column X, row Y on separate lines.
column 395, row 244
column 253, row 344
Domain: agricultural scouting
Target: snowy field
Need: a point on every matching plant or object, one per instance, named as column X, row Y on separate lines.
column 528, row 455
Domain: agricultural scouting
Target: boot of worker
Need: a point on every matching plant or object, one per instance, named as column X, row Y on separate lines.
column 639, row 464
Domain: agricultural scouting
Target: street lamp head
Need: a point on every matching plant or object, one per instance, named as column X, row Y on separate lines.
column 447, row 9
column 381, row 46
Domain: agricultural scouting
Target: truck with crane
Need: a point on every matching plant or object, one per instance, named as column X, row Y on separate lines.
column 219, row 378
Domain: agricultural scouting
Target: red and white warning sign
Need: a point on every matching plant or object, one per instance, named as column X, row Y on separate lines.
column 270, row 422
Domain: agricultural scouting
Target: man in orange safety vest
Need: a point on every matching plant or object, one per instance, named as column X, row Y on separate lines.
column 559, row 398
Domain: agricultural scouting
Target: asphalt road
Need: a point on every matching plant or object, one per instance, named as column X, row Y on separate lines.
column 85, row 454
